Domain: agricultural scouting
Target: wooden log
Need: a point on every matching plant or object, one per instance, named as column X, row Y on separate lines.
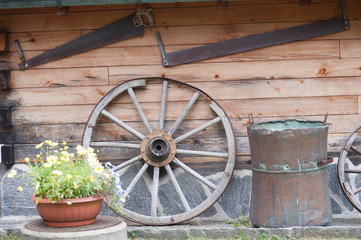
column 180, row 35
column 234, row 108
column 116, row 155
column 180, row 17
column 56, row 96
column 34, row 134
column 224, row 90
column 72, row 77
column 4, row 42
column 151, row 55
column 242, row 70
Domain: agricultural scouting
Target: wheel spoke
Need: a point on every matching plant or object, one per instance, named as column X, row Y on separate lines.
column 198, row 129
column 352, row 171
column 202, row 153
column 115, row 144
column 177, row 188
column 163, row 105
column 350, row 141
column 194, row 174
column 184, row 113
column 137, row 177
column 122, row 124
column 355, row 150
column 155, row 191
column 139, row 109
column 357, row 191
column 127, row 163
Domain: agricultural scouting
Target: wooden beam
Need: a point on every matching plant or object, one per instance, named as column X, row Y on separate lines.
column 4, row 42
column 4, row 79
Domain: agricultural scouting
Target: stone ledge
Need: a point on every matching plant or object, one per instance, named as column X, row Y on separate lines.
column 338, row 228
column 106, row 227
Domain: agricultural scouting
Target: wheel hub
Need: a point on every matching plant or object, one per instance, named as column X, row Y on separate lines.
column 158, row 149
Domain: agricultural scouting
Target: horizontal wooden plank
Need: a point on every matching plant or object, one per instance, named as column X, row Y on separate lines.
column 234, row 108
column 229, row 90
column 335, row 142
column 41, row 40
column 181, row 35
column 56, row 96
column 242, row 70
column 33, row 134
column 350, row 48
column 151, row 55
column 58, row 77
column 178, row 17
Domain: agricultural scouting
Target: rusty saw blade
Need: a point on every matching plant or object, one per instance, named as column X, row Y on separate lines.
column 122, row 29
column 251, row 42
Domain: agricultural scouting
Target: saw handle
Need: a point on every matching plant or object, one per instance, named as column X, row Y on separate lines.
column 143, row 18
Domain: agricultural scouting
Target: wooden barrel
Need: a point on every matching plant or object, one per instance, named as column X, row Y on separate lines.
column 289, row 174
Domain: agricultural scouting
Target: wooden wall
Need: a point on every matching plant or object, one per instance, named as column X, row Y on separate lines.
column 303, row 80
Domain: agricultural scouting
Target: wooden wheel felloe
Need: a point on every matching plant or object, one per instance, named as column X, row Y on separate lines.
column 172, row 144
column 349, row 168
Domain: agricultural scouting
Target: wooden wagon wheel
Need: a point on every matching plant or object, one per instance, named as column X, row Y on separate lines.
column 168, row 178
column 349, row 168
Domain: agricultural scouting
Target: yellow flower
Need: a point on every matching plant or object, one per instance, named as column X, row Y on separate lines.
column 64, row 143
column 37, row 185
column 38, row 156
column 65, row 156
column 92, row 178
column 57, row 172
column 90, row 150
column 51, row 159
column 106, row 175
column 12, row 174
column 98, row 168
column 53, row 144
column 27, row 159
column 20, row 189
column 93, row 162
column 66, row 148
column 39, row 145
column 80, row 150
column 47, row 165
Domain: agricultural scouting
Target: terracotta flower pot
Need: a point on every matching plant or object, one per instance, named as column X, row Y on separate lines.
column 69, row 212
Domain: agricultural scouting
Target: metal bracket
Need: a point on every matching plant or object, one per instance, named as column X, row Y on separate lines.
column 20, row 51
column 222, row 4
column 161, row 47
column 143, row 18
column 344, row 14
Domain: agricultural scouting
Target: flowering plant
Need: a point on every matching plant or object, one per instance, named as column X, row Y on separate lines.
column 65, row 175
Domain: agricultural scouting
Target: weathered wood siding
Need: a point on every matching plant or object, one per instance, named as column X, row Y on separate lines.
column 304, row 80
